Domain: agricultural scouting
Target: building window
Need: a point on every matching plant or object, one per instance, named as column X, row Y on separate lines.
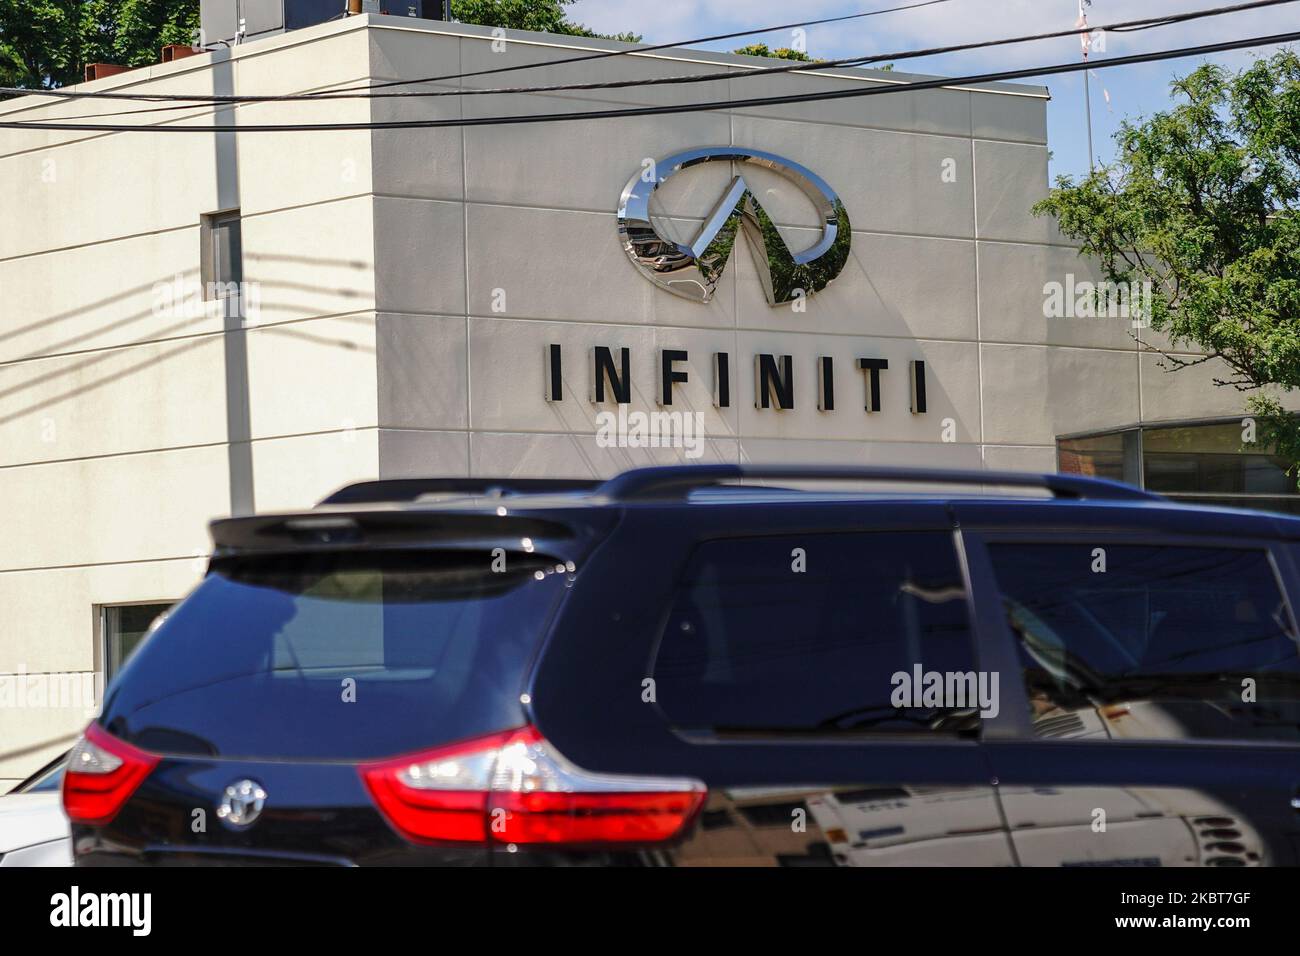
column 1198, row 461
column 1117, row 455
column 223, row 261
column 123, row 627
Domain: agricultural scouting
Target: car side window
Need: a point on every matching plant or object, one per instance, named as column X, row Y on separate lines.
column 1152, row 642
column 822, row 633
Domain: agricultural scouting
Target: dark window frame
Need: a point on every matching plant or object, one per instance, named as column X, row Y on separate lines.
column 108, row 659
column 215, row 286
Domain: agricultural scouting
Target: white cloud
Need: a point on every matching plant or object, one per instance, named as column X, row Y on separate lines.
column 1135, row 90
column 956, row 21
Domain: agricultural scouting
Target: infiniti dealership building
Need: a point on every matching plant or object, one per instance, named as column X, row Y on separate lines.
column 195, row 324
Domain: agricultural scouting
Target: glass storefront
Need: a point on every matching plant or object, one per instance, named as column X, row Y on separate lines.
column 1202, row 461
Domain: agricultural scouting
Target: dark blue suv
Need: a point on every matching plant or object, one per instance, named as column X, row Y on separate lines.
column 716, row 665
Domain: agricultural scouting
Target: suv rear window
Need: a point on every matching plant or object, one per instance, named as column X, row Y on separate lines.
column 338, row 656
column 806, row 633
column 1146, row 642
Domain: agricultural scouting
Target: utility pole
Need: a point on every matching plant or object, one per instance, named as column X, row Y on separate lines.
column 1087, row 110
column 1085, row 40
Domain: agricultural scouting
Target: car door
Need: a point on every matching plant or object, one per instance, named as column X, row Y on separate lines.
column 766, row 656
column 1153, row 683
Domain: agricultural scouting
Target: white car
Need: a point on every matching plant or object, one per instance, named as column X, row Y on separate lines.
column 33, row 828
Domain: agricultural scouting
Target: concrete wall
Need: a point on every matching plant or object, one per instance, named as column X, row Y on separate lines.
column 948, row 272
column 409, row 280
column 126, row 424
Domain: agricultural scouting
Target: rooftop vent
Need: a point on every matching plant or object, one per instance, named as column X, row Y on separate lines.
column 227, row 22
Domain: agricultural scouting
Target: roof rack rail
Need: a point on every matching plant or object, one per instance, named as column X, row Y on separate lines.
column 409, row 489
column 676, row 481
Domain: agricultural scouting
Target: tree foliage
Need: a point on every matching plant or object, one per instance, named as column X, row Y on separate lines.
column 786, row 53
column 1201, row 202
column 781, row 53
column 47, row 43
column 543, row 16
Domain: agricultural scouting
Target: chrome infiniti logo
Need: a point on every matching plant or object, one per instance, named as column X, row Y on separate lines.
column 241, row 804
column 694, row 271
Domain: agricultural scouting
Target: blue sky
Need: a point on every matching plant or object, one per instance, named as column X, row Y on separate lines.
column 1134, row 90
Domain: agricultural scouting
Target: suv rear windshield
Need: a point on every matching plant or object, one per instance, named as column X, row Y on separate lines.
column 338, row 656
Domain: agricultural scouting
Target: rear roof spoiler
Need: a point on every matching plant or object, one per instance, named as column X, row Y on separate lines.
column 409, row 489
column 677, row 481
column 419, row 528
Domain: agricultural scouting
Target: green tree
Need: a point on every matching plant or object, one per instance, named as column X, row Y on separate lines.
column 49, row 42
column 1201, row 202
column 131, row 32
column 543, row 16
column 38, row 42
column 781, row 53
column 785, row 53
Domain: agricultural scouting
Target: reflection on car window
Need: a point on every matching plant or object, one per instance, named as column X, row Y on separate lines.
column 1152, row 642
column 431, row 645
column 805, row 633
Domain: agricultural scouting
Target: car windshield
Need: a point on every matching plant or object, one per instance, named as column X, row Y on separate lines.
column 339, row 656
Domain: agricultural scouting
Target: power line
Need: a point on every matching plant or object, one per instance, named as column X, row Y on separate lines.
column 1126, row 26
column 658, row 46
column 715, row 105
column 602, row 54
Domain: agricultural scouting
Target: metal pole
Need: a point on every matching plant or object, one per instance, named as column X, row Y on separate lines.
column 1085, row 41
column 1087, row 107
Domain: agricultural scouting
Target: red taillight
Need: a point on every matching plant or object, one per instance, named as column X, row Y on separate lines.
column 102, row 774
column 437, row 795
column 515, row 787
column 594, row 817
